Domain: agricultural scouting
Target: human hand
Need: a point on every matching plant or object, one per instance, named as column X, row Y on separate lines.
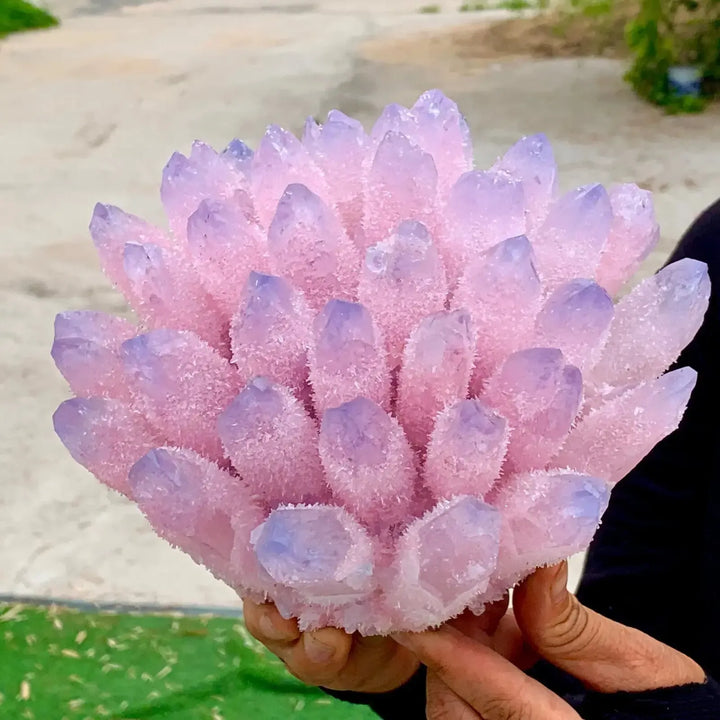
column 330, row 657
column 474, row 675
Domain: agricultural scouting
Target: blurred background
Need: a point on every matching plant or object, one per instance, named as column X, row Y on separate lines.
column 94, row 102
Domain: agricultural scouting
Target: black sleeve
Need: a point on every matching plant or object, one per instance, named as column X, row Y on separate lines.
column 687, row 702
column 405, row 703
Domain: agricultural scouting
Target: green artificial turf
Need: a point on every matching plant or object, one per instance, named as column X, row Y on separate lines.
column 60, row 664
column 18, row 15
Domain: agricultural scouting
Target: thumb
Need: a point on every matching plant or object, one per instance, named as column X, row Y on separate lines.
column 605, row 655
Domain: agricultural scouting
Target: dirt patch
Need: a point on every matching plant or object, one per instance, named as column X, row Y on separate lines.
column 548, row 35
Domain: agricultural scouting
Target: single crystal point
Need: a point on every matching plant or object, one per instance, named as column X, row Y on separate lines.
column 532, row 161
column 401, row 282
column 499, row 284
column 535, row 441
column 340, row 148
column 576, row 319
column 443, row 560
column 436, row 371
column 347, row 358
column 483, row 209
column 466, row 450
column 368, row 462
column 633, row 234
column 225, row 243
column 181, row 385
column 85, row 351
column 571, row 240
column 241, row 155
column 612, row 438
column 188, row 180
column 443, row 133
column 547, row 516
column 401, row 185
column 271, row 332
column 272, row 443
column 654, row 323
column 165, row 292
column 540, row 396
column 111, row 229
column 394, row 118
column 280, row 160
column 200, row 508
column 319, row 551
column 105, row 436
column 308, row 246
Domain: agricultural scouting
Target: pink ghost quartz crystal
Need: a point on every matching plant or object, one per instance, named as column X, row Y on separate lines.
column 368, row 462
column 369, row 381
column 501, row 280
column 347, row 357
column 202, row 509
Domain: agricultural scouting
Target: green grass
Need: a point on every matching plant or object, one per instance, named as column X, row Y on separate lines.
column 429, row 9
column 473, row 7
column 60, row 664
column 18, row 15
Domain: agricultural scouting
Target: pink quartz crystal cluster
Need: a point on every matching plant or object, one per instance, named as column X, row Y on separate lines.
column 368, row 381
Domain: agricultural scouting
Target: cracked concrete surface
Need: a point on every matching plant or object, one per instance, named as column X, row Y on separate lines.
column 92, row 110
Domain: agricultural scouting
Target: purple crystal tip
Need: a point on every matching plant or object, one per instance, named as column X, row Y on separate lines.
column 359, row 429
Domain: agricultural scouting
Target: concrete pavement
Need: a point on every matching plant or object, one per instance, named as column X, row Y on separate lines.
column 92, row 110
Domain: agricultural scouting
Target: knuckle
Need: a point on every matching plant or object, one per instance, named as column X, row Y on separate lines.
column 253, row 627
column 329, row 676
column 507, row 709
column 573, row 633
column 440, row 708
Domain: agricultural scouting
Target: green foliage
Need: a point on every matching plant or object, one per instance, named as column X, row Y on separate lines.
column 593, row 8
column 674, row 32
column 504, row 5
column 18, row 15
column 515, row 4
column 430, row 9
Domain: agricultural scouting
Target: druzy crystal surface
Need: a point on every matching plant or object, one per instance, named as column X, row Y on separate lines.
column 368, row 381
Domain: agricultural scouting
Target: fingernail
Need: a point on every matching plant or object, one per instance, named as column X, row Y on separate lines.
column 558, row 587
column 401, row 638
column 317, row 651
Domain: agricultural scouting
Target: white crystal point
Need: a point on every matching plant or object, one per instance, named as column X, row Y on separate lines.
column 368, row 462
column 654, row 323
column 402, row 281
column 546, row 517
column 501, row 283
column 571, row 240
column 613, row 437
column 532, row 161
column 466, row 450
column 576, row 319
column 347, row 358
column 443, row 560
column 319, row 551
column 436, row 371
